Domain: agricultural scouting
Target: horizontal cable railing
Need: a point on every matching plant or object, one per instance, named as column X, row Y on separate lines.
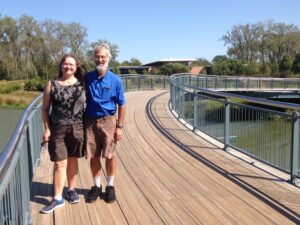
column 22, row 154
column 249, row 125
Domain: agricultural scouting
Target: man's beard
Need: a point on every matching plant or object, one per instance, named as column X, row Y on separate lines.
column 102, row 69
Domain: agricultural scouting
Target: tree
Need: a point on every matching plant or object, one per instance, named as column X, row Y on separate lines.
column 173, row 68
column 135, row 62
column 132, row 62
column 219, row 58
column 77, row 42
column 31, row 45
column 296, row 64
column 220, row 68
column 9, row 49
column 262, row 42
column 286, row 63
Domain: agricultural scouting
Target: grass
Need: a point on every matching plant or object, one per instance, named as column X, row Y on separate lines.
column 13, row 96
column 17, row 99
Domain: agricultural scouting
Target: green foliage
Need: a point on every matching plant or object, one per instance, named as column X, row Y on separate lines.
column 11, row 86
column 220, row 67
column 130, row 71
column 286, row 63
column 296, row 64
column 264, row 69
column 219, row 58
column 200, row 62
column 36, row 84
column 173, row 68
column 274, row 69
column 115, row 70
column 236, row 67
column 252, row 69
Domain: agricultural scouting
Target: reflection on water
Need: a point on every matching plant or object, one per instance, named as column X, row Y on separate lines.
column 8, row 122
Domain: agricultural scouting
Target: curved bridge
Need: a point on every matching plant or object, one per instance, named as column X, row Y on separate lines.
column 168, row 175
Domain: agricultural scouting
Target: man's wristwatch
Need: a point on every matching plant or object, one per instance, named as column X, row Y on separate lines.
column 119, row 126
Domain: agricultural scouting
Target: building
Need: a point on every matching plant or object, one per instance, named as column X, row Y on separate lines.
column 150, row 67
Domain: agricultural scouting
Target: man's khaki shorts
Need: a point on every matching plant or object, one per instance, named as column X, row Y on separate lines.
column 100, row 137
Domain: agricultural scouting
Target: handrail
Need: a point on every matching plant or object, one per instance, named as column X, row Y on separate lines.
column 21, row 155
column 9, row 150
column 225, row 94
column 210, row 109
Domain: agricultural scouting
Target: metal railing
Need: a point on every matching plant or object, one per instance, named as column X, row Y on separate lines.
column 240, row 83
column 17, row 164
column 242, row 122
column 22, row 154
column 133, row 82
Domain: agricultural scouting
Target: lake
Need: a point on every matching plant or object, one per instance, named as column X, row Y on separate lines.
column 8, row 121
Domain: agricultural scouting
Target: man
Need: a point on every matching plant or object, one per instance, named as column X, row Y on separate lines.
column 105, row 118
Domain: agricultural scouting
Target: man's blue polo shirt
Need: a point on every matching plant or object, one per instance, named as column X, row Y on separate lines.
column 103, row 94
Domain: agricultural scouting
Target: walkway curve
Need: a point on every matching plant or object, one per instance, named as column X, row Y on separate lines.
column 159, row 182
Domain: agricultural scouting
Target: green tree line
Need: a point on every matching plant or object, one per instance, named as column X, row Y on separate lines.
column 268, row 49
column 32, row 49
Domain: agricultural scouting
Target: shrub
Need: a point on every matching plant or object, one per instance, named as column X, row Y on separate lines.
column 36, row 84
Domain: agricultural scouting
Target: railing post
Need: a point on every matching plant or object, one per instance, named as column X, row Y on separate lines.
column 295, row 147
column 182, row 109
column 126, row 83
column 139, row 83
column 286, row 84
column 195, row 110
column 216, row 81
column 151, row 83
column 173, row 96
column 248, row 83
column 227, row 123
column 164, row 83
column 272, row 84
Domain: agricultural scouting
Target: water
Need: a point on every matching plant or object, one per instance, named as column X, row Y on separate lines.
column 8, row 121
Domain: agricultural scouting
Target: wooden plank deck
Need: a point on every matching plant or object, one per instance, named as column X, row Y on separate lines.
column 171, row 178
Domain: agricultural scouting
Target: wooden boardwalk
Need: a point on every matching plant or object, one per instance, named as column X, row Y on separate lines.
column 168, row 175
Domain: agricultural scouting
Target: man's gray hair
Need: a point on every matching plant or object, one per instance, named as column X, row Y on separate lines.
column 104, row 47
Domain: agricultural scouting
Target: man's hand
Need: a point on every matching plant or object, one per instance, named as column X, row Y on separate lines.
column 118, row 134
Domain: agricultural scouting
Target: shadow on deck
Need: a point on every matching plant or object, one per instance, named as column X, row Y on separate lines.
column 168, row 175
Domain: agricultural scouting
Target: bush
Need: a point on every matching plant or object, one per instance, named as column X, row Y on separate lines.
column 36, row 84
column 10, row 88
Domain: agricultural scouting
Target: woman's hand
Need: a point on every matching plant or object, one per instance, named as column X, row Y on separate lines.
column 46, row 135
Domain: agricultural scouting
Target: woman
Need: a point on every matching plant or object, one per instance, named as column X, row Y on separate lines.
column 64, row 128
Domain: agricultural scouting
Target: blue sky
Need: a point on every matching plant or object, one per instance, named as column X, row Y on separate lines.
column 150, row 30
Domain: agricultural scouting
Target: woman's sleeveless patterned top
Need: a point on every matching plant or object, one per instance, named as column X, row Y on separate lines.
column 68, row 103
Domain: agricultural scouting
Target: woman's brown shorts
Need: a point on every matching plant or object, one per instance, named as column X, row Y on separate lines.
column 66, row 141
column 100, row 137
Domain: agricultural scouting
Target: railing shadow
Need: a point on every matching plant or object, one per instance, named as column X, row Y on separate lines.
column 235, row 178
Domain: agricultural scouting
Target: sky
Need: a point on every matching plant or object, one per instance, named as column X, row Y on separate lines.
column 150, row 30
